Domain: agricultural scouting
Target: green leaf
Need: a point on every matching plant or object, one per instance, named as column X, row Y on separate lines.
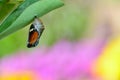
column 6, row 7
column 25, row 13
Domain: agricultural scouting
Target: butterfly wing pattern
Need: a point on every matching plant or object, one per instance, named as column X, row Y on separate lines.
column 35, row 31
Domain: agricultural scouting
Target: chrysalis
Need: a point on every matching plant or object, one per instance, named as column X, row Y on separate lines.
column 35, row 31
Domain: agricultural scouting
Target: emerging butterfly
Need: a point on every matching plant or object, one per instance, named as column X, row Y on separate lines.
column 35, row 31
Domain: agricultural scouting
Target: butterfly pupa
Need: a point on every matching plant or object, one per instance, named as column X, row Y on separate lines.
column 35, row 32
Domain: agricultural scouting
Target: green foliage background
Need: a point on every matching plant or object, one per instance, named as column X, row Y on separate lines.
column 68, row 22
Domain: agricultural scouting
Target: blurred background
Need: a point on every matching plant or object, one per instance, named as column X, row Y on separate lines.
column 88, row 29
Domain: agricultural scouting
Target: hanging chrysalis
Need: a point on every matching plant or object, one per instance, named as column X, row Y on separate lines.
column 35, row 31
